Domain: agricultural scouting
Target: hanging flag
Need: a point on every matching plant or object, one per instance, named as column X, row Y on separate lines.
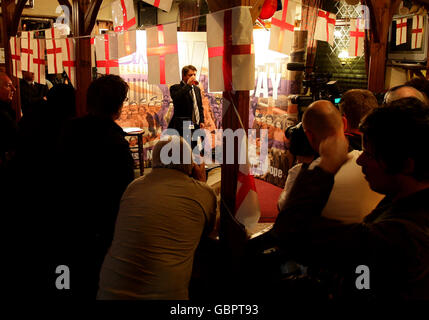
column 92, row 44
column 106, row 50
column 401, row 31
column 69, row 60
column 39, row 61
column 162, row 54
column 123, row 15
column 247, row 210
column 15, row 50
column 282, row 24
column 357, row 36
column 325, row 24
column 27, row 51
column 161, row 4
column 127, row 43
column 230, row 48
column 54, row 50
column 417, row 32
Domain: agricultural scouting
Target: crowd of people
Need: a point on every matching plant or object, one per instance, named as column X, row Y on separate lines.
column 355, row 197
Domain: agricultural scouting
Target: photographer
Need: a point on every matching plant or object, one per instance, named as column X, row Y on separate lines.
column 351, row 198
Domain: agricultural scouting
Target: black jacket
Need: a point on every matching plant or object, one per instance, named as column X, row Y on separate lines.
column 31, row 94
column 393, row 240
column 184, row 105
column 8, row 130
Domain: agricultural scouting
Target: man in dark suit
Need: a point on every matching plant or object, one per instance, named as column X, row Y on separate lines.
column 31, row 92
column 187, row 102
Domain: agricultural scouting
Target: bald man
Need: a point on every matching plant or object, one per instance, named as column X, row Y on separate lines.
column 404, row 91
column 8, row 127
column 351, row 198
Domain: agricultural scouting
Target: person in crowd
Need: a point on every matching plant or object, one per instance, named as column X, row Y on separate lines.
column 161, row 220
column 40, row 129
column 98, row 168
column 8, row 126
column 351, row 198
column 354, row 105
column 187, row 102
column 404, row 91
column 386, row 257
column 31, row 92
column 420, row 84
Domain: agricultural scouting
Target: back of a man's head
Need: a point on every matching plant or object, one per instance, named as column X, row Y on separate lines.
column 320, row 120
column 420, row 84
column 172, row 152
column 106, row 95
column 355, row 104
column 404, row 91
column 397, row 132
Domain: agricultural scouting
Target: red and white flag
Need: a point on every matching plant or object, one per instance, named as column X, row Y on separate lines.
column 127, row 43
column 161, row 4
column 417, row 32
column 106, row 51
column 69, row 60
column 39, row 61
column 27, row 51
column 357, row 37
column 162, row 54
column 401, row 31
column 247, row 210
column 282, row 24
column 92, row 44
column 54, row 50
column 15, row 50
column 123, row 14
column 230, row 48
column 325, row 26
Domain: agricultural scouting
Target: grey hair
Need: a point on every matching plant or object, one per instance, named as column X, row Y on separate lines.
column 177, row 143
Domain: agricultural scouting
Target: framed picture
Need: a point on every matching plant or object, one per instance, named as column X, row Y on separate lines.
column 29, row 4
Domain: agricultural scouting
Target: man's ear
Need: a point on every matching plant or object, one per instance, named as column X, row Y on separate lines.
column 311, row 138
column 344, row 123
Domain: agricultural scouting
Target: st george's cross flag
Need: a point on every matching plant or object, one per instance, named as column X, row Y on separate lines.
column 127, row 43
column 106, row 51
column 123, row 15
column 417, row 32
column 357, row 37
column 162, row 54
column 69, row 60
column 247, row 210
column 54, row 50
column 230, row 49
column 92, row 44
column 39, row 61
column 27, row 51
column 325, row 26
column 282, row 25
column 15, row 51
column 161, row 4
column 401, row 31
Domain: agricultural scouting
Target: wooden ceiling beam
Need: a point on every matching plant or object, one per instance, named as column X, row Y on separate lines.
column 91, row 16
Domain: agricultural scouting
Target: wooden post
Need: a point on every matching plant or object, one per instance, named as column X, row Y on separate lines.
column 232, row 234
column 381, row 13
column 84, row 14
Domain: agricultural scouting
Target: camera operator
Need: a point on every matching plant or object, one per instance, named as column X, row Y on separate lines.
column 351, row 198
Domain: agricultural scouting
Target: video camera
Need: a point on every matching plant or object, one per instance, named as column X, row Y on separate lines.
column 320, row 85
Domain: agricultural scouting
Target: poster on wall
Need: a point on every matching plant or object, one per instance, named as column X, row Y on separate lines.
column 150, row 107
